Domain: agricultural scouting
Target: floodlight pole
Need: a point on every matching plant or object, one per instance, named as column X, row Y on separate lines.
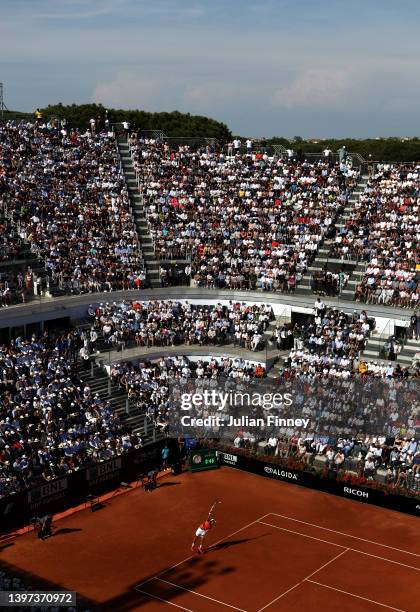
column 3, row 107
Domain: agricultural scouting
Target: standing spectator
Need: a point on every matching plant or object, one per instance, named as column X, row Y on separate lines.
column 414, row 325
column 237, row 145
column 165, row 457
column 370, row 166
column 342, row 154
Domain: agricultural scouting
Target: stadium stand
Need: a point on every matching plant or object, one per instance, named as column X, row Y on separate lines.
column 245, row 221
column 51, row 422
column 64, row 200
column 390, row 460
column 329, row 346
column 58, row 411
column 383, row 230
column 170, row 323
column 87, row 212
column 147, row 382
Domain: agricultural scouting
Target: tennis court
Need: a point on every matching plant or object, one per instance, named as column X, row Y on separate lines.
column 275, row 547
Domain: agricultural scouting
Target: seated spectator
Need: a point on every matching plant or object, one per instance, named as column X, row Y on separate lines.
column 169, row 323
column 66, row 200
column 328, row 346
column 246, row 221
column 50, row 422
column 383, row 231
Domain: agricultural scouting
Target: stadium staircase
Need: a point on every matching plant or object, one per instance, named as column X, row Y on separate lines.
column 136, row 199
column 375, row 350
column 97, row 379
column 410, row 350
column 354, row 268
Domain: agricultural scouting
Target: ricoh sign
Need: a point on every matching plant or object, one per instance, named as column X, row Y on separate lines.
column 356, row 492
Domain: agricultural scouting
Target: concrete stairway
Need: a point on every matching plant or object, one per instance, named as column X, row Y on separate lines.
column 358, row 267
column 409, row 352
column 146, row 242
column 322, row 259
column 273, row 373
column 374, row 350
column 355, row 278
column 99, row 382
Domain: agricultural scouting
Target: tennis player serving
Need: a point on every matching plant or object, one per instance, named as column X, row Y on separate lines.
column 203, row 530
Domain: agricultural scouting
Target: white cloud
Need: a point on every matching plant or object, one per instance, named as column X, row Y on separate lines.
column 316, row 87
column 209, row 95
column 133, row 90
column 165, row 91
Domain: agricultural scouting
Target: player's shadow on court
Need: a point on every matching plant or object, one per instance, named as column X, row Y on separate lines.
column 65, row 530
column 229, row 543
column 170, row 483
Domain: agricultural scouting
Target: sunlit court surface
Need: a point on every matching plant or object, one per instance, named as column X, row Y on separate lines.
column 274, row 547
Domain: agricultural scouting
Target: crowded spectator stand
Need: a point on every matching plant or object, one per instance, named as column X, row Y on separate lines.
column 153, row 385
column 63, row 195
column 173, row 322
column 51, row 423
column 382, row 230
column 244, row 220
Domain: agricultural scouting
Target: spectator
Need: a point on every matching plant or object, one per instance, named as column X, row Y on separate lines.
column 67, row 196
column 169, row 323
column 165, row 457
column 382, row 230
column 50, row 422
column 247, row 221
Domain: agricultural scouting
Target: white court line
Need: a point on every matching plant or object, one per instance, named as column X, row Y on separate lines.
column 353, row 595
column 325, row 564
column 164, row 600
column 361, row 552
column 304, row 579
column 348, row 535
column 280, row 596
column 200, row 594
column 194, row 556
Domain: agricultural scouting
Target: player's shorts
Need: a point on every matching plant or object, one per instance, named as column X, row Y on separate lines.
column 200, row 532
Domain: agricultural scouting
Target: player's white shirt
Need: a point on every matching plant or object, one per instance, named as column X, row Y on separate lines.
column 201, row 532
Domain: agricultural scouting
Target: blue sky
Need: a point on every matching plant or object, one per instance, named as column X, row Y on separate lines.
column 264, row 67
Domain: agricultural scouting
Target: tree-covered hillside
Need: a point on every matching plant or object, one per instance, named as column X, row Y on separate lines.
column 172, row 124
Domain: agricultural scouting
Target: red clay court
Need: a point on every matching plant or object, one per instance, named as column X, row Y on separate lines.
column 276, row 547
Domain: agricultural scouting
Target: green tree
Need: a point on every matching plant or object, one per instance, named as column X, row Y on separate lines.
column 172, row 124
